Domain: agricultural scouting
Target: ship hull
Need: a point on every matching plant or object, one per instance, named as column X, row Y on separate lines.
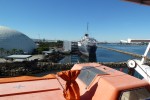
column 87, row 50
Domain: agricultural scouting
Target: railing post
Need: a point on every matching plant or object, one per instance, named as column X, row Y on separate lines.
column 145, row 54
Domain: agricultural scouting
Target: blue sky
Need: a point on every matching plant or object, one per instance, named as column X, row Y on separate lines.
column 109, row 20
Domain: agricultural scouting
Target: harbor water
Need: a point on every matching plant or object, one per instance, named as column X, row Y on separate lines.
column 104, row 55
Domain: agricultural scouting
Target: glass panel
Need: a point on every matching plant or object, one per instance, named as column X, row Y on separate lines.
column 88, row 73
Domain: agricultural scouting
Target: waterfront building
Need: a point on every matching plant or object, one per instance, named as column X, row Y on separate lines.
column 67, row 46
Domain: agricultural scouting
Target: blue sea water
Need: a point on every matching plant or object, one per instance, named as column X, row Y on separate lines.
column 104, row 55
column 138, row 49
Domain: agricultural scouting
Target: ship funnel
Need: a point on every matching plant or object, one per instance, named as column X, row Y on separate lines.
column 86, row 35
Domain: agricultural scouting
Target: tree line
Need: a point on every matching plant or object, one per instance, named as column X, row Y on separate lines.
column 8, row 52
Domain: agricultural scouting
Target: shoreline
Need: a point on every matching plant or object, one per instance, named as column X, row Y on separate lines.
column 39, row 68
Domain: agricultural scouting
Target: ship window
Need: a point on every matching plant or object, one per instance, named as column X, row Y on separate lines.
column 88, row 73
column 135, row 94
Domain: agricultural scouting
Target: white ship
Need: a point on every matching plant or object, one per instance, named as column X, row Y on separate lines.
column 87, row 46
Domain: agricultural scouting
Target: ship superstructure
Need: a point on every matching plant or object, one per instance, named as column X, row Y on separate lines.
column 87, row 45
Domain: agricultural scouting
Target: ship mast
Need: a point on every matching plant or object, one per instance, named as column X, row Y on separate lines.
column 87, row 28
column 86, row 34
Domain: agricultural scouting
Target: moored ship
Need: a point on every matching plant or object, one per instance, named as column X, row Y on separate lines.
column 87, row 46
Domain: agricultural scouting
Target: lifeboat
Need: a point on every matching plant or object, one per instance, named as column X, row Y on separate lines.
column 87, row 81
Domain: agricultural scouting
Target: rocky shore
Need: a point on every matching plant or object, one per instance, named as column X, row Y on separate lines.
column 36, row 67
